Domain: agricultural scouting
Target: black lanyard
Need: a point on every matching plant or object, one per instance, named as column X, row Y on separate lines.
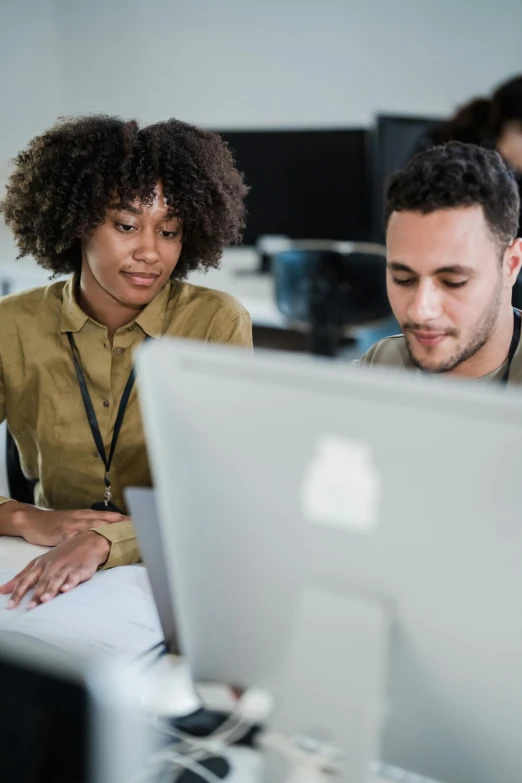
column 517, row 322
column 107, row 505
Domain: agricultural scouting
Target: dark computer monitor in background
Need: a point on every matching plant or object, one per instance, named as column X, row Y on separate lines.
column 44, row 726
column 305, row 184
column 68, row 720
column 396, row 139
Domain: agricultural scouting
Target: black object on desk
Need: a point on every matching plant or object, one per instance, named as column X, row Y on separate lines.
column 44, row 732
column 204, row 723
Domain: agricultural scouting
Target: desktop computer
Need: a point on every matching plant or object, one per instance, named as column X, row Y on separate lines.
column 350, row 541
column 395, row 140
column 64, row 719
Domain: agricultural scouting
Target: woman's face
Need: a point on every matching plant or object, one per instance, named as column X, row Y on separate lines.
column 510, row 145
column 134, row 252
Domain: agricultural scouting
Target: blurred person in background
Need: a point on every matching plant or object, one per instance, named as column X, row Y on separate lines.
column 494, row 122
column 453, row 257
column 128, row 212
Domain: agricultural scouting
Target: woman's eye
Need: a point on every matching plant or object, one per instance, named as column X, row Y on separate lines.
column 169, row 234
column 125, row 228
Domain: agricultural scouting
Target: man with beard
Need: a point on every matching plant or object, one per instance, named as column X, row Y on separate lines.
column 452, row 259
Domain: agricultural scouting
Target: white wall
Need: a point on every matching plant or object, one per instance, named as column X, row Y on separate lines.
column 276, row 63
column 31, row 84
column 246, row 63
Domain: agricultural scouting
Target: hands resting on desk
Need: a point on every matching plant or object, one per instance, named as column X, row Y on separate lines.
column 78, row 554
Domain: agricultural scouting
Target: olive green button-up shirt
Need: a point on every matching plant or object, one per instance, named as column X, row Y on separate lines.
column 41, row 400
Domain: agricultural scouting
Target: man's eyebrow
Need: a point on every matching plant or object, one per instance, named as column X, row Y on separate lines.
column 396, row 266
column 125, row 208
column 453, row 269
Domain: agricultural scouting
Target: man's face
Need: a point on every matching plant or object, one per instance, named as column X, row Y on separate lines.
column 134, row 252
column 446, row 284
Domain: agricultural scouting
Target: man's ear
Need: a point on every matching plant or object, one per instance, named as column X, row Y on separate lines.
column 513, row 261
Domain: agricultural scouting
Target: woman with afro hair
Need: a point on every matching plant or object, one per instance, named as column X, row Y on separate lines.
column 127, row 212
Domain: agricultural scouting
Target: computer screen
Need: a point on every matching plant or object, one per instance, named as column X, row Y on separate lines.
column 44, row 731
column 395, row 141
column 70, row 719
column 305, row 184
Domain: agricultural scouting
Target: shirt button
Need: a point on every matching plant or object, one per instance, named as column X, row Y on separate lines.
column 106, row 403
column 96, row 455
column 121, row 350
column 131, row 328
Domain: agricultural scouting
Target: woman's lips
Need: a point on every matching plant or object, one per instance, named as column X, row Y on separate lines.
column 141, row 278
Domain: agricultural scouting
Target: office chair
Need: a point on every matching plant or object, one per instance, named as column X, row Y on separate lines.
column 20, row 487
column 330, row 291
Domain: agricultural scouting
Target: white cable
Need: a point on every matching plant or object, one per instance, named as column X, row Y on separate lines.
column 179, row 760
column 254, row 707
column 219, row 736
column 191, row 764
column 202, row 748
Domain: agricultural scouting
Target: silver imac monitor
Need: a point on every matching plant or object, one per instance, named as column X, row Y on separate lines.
column 294, row 492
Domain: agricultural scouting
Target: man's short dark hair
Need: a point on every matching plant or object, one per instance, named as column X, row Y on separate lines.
column 458, row 175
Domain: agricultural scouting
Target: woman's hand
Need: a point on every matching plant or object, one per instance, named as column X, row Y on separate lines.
column 50, row 528
column 59, row 570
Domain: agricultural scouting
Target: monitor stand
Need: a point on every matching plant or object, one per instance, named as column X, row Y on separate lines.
column 330, row 690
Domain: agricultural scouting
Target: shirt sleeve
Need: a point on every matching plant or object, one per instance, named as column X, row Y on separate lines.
column 366, row 358
column 2, row 412
column 236, row 331
column 124, row 544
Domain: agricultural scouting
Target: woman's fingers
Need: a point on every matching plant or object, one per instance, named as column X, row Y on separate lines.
column 73, row 580
column 23, row 582
column 49, row 585
column 113, row 516
column 58, row 570
column 8, row 587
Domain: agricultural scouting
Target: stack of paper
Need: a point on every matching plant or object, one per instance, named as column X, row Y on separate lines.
column 113, row 614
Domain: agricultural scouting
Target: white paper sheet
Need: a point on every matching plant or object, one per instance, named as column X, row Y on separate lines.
column 113, row 614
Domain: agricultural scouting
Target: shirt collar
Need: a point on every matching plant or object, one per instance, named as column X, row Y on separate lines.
column 73, row 317
column 150, row 318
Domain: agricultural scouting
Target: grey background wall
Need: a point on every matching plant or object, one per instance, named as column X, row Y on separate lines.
column 247, row 63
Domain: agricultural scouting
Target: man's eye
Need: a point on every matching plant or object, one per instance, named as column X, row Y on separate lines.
column 451, row 284
column 403, row 281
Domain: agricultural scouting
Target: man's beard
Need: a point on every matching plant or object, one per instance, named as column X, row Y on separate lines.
column 480, row 334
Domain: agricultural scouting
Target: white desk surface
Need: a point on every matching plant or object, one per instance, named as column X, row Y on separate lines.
column 15, row 553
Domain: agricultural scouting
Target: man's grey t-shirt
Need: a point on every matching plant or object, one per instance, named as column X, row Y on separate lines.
column 392, row 352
